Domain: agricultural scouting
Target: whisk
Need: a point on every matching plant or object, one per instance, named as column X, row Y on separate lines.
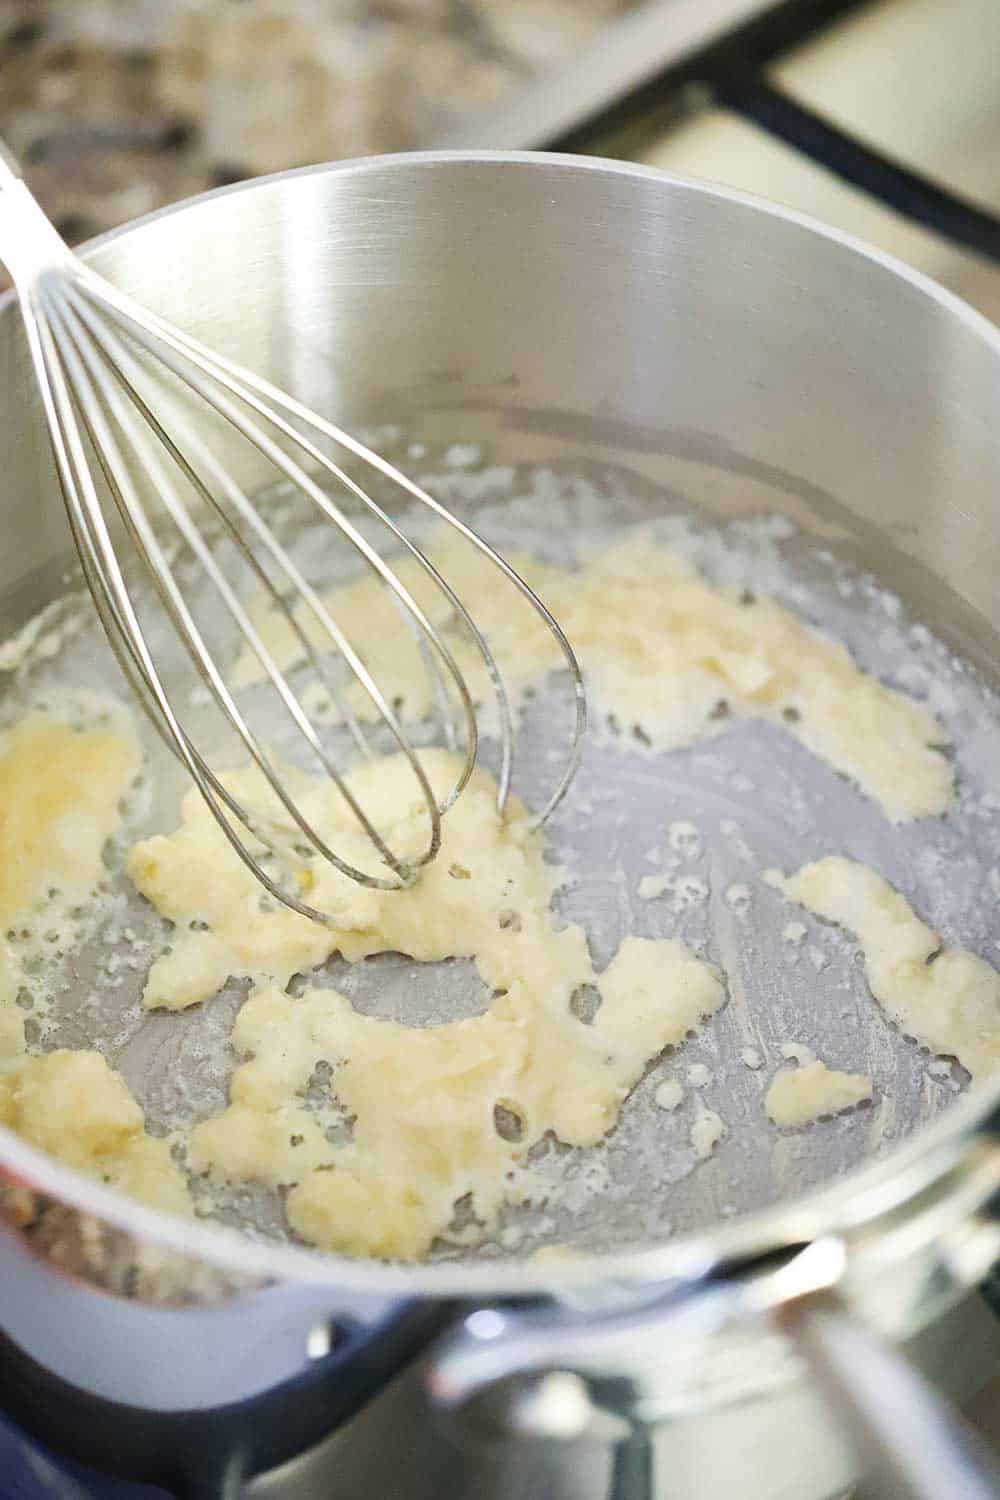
column 104, row 367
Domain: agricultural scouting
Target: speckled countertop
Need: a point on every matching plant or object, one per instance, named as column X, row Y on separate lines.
column 119, row 106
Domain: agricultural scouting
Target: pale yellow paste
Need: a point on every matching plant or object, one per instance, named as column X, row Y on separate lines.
column 486, row 894
column 60, row 790
column 60, row 787
column 664, row 652
column 668, row 1095
column 662, row 649
column 798, row 1096
column 950, row 1003
column 707, row 1131
column 72, row 1105
column 423, row 1100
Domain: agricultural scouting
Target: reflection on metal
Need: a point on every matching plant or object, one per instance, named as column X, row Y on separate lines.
column 624, row 58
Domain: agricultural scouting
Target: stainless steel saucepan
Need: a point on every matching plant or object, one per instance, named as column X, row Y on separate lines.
column 727, row 357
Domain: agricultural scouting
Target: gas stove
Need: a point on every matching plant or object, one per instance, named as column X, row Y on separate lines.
column 881, row 117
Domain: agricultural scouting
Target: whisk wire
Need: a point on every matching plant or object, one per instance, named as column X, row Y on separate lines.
column 243, row 383
column 390, row 471
column 228, row 487
column 304, row 483
column 98, row 357
column 143, row 534
column 102, row 570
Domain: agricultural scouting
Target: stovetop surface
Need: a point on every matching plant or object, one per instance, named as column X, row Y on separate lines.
column 120, row 106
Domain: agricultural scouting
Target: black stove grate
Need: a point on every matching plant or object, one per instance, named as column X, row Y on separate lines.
column 101, row 147
column 732, row 74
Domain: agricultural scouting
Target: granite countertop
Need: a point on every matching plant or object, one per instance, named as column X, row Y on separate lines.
column 117, row 107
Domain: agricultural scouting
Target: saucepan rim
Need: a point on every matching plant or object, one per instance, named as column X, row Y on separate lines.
column 859, row 1196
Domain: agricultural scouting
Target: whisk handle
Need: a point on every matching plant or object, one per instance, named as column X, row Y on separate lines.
column 10, row 167
column 29, row 244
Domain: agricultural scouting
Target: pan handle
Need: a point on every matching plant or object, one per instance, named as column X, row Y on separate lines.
column 580, row 1376
column 913, row 1446
column 207, row 1452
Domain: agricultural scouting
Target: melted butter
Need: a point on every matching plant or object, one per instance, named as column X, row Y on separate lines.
column 60, row 788
column 75, row 1107
column 423, row 1100
column 798, row 1096
column 60, row 793
column 950, row 1002
column 662, row 650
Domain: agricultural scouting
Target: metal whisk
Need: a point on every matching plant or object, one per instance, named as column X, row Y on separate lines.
column 104, row 366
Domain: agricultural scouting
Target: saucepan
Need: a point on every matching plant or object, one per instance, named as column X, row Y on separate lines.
column 597, row 325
